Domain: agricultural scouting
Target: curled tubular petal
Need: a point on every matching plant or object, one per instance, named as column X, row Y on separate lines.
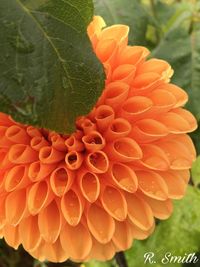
column 22, row 154
column 117, row 129
column 37, row 142
column 17, row 178
column 72, row 207
column 152, row 185
column 37, row 171
column 114, row 203
column 123, row 177
column 17, row 134
column 97, row 162
column 123, row 150
column 148, row 130
column 93, row 141
column 39, row 196
column 49, row 155
column 104, row 115
column 115, row 94
column 135, row 108
column 61, row 180
column 73, row 160
column 89, row 184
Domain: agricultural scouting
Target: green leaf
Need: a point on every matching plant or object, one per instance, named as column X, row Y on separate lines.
column 179, row 235
column 196, row 171
column 131, row 13
column 49, row 74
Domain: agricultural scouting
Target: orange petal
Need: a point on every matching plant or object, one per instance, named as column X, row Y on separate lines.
column 114, row 203
column 72, row 207
column 78, row 248
column 22, row 154
column 104, row 115
column 94, row 29
column 117, row 129
column 17, row 134
column 97, row 162
column 5, row 163
column 89, row 185
column 49, row 222
column 100, row 224
column 180, row 95
column 122, row 237
column 93, row 141
column 73, row 144
column 132, row 55
column 178, row 154
column 186, row 115
column 49, row 155
column 61, row 180
column 161, row 209
column 162, row 100
column 139, row 212
column 175, row 123
column 138, row 233
column 38, row 171
column 119, row 33
column 106, row 50
column 11, row 235
column 29, row 232
column 74, row 160
column 58, row 143
column 148, row 130
column 18, row 211
column 2, row 212
column 154, row 158
column 123, row 150
column 124, row 73
column 37, row 142
column 115, row 94
column 54, row 252
column 102, row 252
column 135, row 108
column 39, row 196
column 32, row 131
column 158, row 66
column 152, row 185
column 124, row 177
column 176, row 185
column 145, row 83
column 5, row 119
column 4, row 141
column 17, row 178
column 39, row 252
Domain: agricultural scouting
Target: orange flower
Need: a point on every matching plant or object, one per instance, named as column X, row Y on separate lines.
column 92, row 193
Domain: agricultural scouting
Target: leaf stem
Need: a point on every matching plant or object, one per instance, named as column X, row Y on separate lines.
column 120, row 259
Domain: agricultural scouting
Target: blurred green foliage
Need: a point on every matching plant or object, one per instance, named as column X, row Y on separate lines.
column 171, row 30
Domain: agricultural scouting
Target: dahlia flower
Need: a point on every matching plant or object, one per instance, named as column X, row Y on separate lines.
column 90, row 194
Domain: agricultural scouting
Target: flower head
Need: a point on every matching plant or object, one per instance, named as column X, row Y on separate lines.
column 92, row 193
